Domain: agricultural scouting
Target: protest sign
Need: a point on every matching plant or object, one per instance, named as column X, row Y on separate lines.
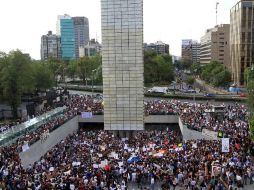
column 225, row 145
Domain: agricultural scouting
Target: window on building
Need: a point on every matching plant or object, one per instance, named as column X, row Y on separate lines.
column 243, row 36
column 249, row 23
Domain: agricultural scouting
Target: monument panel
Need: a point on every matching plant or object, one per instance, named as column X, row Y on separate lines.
column 122, row 64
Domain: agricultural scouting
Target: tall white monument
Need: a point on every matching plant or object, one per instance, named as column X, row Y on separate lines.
column 122, row 64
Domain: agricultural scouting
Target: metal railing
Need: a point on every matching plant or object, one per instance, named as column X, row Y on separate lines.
column 9, row 136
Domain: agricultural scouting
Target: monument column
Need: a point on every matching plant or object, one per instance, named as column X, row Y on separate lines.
column 122, row 64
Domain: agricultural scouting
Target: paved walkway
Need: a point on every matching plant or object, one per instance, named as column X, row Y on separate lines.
column 210, row 88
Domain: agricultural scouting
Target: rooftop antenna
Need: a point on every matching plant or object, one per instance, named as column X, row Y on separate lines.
column 217, row 4
column 96, row 38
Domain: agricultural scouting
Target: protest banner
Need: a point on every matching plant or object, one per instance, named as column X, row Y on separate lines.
column 225, row 145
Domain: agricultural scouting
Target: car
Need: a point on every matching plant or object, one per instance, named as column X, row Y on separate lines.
column 191, row 91
column 243, row 95
column 210, row 95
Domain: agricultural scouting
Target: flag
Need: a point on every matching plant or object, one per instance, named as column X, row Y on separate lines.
column 25, row 147
column 133, row 159
column 225, row 145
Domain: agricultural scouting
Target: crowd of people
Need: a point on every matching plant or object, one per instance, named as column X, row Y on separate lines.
column 232, row 120
column 195, row 116
column 7, row 125
column 77, row 103
column 74, row 105
column 102, row 160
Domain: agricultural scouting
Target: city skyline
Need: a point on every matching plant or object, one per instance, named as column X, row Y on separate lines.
column 164, row 20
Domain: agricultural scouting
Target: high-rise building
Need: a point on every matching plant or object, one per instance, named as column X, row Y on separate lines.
column 215, row 45
column 190, row 51
column 50, row 46
column 122, row 64
column 81, row 31
column 91, row 49
column 186, row 50
column 159, row 47
column 195, row 50
column 65, row 28
column 241, row 39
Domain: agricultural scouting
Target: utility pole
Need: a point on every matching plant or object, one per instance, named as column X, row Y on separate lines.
column 217, row 4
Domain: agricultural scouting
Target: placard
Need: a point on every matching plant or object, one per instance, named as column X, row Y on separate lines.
column 225, row 145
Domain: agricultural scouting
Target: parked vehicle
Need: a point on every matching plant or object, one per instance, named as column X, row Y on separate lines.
column 161, row 90
column 210, row 95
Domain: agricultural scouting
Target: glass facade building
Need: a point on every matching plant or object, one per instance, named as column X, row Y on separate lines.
column 122, row 64
column 65, row 28
column 241, row 39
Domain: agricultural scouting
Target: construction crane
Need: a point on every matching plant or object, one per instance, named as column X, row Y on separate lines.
column 217, row 5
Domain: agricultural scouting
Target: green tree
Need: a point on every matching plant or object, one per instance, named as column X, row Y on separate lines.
column 16, row 78
column 222, row 78
column 43, row 76
column 88, row 67
column 248, row 74
column 215, row 74
column 57, row 68
column 150, row 67
column 250, row 89
column 97, row 62
column 157, row 68
column 249, row 79
column 186, row 64
column 190, row 80
column 72, row 69
column 196, row 68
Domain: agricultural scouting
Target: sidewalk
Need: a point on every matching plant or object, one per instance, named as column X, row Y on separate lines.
column 210, row 88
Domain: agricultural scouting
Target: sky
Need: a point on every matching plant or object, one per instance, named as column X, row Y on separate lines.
column 24, row 22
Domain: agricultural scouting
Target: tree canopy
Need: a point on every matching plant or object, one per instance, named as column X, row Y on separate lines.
column 249, row 81
column 216, row 74
column 43, row 76
column 16, row 78
column 86, row 68
column 196, row 68
column 157, row 68
column 20, row 75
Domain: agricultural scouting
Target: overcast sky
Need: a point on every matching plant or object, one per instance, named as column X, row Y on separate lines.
column 23, row 22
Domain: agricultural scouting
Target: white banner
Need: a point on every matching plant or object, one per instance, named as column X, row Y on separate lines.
column 225, row 145
column 87, row 115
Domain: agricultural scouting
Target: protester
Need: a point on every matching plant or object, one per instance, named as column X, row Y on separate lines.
column 100, row 159
column 92, row 160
